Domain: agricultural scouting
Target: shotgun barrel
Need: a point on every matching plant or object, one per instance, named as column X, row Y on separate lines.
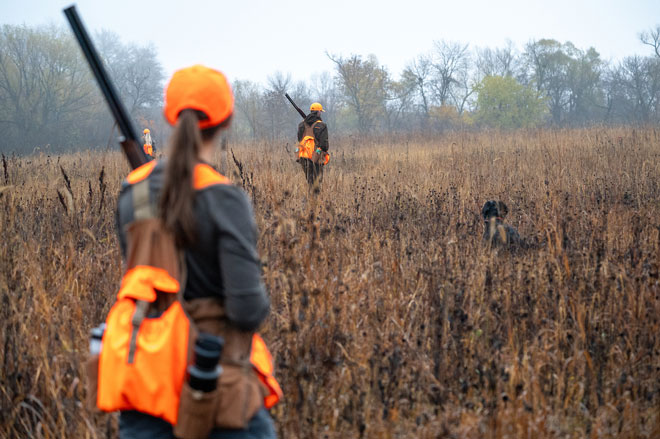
column 128, row 139
column 302, row 113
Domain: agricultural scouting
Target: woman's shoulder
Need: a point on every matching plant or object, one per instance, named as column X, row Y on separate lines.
column 219, row 189
column 205, row 176
column 225, row 197
column 228, row 205
column 151, row 171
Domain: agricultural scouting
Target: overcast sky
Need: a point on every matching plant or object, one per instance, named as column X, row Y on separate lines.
column 253, row 39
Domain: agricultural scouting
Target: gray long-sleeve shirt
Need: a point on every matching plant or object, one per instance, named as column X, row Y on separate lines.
column 223, row 262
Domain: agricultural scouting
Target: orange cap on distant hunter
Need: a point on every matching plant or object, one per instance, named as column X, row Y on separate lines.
column 199, row 88
column 316, row 107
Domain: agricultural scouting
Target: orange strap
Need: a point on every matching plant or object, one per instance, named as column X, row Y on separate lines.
column 140, row 283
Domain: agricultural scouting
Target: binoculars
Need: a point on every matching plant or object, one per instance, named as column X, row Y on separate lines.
column 203, row 374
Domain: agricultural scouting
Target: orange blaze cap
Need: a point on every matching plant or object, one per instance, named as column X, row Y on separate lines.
column 199, row 88
column 316, row 107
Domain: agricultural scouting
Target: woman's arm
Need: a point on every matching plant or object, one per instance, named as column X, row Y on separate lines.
column 246, row 301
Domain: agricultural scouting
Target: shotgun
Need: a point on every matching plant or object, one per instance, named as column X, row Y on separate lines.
column 302, row 113
column 128, row 139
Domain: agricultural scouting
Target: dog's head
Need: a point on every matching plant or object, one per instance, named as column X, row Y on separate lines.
column 495, row 209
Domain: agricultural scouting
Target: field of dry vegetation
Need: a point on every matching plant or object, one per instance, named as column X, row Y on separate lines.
column 389, row 318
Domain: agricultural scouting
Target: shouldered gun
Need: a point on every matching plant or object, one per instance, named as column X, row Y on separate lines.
column 302, row 113
column 128, row 139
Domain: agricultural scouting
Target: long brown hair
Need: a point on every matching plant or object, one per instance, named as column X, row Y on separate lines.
column 178, row 196
column 176, row 200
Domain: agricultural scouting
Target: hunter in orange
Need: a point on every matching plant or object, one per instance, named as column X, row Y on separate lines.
column 188, row 238
column 313, row 145
column 148, row 143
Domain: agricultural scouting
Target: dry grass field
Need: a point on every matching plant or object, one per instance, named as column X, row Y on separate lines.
column 390, row 318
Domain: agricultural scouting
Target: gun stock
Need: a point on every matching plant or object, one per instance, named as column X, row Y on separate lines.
column 128, row 139
column 302, row 113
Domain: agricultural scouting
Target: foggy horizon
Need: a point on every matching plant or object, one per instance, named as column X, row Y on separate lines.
column 420, row 69
column 263, row 38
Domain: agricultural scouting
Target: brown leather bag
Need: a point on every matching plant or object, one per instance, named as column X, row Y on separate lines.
column 240, row 393
column 318, row 158
column 196, row 413
column 91, row 382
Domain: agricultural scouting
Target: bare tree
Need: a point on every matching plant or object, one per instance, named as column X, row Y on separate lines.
column 496, row 62
column 418, row 74
column 450, row 61
column 45, row 87
column 324, row 90
column 569, row 77
column 264, row 113
column 586, row 99
column 641, row 79
column 136, row 71
column 652, row 38
column 247, row 99
column 399, row 103
column 463, row 89
column 279, row 82
column 548, row 69
column 364, row 83
column 275, row 105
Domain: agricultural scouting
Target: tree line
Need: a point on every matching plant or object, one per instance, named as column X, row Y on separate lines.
column 49, row 100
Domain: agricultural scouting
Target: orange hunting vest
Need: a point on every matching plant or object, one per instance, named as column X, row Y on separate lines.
column 307, row 146
column 143, row 362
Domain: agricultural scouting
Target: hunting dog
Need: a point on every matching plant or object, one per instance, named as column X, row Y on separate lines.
column 496, row 233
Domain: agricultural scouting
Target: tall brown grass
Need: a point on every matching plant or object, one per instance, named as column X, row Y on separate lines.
column 389, row 317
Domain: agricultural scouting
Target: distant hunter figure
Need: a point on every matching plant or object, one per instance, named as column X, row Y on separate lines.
column 496, row 233
column 313, row 144
column 149, row 147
